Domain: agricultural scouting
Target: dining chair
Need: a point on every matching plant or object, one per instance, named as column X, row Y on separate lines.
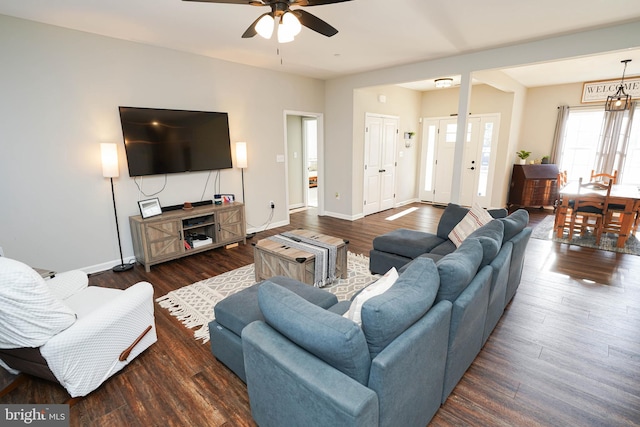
column 636, row 221
column 614, row 215
column 595, row 177
column 563, row 211
column 588, row 211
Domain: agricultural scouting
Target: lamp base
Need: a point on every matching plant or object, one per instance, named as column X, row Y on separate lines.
column 122, row 267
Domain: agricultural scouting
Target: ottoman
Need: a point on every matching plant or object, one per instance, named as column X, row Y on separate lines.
column 236, row 311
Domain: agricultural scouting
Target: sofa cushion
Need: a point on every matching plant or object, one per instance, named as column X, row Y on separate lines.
column 328, row 336
column 453, row 214
column 31, row 314
column 444, row 248
column 458, row 269
column 515, row 223
column 386, row 316
column 408, row 243
column 490, row 237
column 376, row 288
column 238, row 310
column 474, row 219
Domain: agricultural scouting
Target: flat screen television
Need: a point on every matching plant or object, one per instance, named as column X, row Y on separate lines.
column 161, row 141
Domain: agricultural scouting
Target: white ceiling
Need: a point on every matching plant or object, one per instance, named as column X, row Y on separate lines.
column 372, row 33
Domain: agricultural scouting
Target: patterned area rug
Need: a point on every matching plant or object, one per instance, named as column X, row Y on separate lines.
column 544, row 231
column 193, row 304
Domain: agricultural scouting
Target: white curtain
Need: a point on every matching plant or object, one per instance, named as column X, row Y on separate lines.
column 558, row 136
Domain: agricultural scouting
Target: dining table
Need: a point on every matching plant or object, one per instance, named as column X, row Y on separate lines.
column 621, row 195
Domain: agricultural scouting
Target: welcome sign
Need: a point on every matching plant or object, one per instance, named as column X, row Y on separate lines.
column 599, row 90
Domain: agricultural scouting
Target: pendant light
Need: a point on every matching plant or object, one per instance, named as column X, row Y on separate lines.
column 619, row 101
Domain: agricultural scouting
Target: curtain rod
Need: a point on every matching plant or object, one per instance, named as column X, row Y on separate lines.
column 583, row 106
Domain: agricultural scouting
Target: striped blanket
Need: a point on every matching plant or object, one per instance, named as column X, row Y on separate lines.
column 325, row 255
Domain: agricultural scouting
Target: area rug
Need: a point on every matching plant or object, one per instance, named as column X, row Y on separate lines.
column 193, row 304
column 544, row 231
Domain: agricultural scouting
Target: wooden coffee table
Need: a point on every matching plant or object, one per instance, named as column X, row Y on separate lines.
column 273, row 259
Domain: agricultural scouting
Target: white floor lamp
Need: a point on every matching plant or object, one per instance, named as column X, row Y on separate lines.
column 110, row 170
column 241, row 161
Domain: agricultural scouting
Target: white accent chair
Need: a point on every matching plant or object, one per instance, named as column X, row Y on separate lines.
column 65, row 331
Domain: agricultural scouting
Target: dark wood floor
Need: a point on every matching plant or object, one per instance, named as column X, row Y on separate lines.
column 565, row 353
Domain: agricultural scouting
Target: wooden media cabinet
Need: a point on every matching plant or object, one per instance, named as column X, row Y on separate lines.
column 180, row 233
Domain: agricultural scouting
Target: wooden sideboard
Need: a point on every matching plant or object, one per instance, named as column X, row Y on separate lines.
column 534, row 186
column 179, row 233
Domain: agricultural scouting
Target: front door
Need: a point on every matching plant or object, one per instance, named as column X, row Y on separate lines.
column 438, row 145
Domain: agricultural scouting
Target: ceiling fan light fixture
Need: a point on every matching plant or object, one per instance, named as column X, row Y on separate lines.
column 288, row 28
column 265, row 25
column 444, row 83
column 291, row 23
column 619, row 101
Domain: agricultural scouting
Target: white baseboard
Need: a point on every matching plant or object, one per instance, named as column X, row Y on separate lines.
column 107, row 265
column 343, row 216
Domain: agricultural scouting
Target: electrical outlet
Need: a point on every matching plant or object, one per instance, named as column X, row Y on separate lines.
column 272, row 205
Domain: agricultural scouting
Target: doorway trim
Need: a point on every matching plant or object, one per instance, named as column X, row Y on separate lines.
column 320, row 119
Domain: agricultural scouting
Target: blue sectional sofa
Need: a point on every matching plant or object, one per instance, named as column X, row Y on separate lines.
column 309, row 366
column 306, row 364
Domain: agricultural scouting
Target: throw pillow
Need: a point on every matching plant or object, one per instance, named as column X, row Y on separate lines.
column 474, row 219
column 31, row 314
column 377, row 288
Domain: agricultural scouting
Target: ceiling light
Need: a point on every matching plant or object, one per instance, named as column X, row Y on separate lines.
column 288, row 28
column 442, row 83
column 619, row 101
column 265, row 25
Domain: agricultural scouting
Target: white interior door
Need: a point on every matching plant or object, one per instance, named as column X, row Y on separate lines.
column 439, row 136
column 381, row 133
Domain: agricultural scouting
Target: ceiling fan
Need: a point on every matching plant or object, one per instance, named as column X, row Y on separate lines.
column 290, row 21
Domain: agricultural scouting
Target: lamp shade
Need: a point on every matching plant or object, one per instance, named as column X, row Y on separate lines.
column 109, row 152
column 265, row 25
column 241, row 155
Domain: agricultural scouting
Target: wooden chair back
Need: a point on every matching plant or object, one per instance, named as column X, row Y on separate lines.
column 595, row 177
column 588, row 210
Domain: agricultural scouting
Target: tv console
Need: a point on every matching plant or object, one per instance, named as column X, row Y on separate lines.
column 178, row 233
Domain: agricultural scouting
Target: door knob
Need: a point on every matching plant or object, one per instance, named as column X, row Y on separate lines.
column 381, row 170
column 472, row 168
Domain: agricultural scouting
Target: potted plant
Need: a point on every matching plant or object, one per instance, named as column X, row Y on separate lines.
column 523, row 155
column 545, row 160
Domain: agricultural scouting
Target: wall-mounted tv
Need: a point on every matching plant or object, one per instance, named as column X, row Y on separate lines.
column 160, row 141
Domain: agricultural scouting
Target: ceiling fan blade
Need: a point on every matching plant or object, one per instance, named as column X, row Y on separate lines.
column 314, row 23
column 316, row 2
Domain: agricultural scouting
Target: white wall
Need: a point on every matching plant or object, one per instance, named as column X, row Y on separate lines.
column 538, row 125
column 60, row 95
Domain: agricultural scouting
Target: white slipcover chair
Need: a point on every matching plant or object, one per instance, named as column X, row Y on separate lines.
column 63, row 330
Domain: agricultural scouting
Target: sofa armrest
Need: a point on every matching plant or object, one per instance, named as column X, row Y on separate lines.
column 289, row 386
column 85, row 354
column 468, row 318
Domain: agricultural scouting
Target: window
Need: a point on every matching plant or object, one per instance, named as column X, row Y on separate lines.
column 584, row 131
